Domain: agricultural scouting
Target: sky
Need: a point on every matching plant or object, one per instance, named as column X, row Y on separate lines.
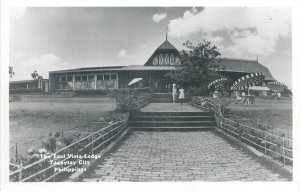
column 48, row 39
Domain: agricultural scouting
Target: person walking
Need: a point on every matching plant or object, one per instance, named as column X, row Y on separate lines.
column 174, row 93
column 181, row 95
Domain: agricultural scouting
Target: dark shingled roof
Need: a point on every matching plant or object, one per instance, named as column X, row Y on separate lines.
column 246, row 66
column 147, row 68
column 90, row 69
column 226, row 65
column 22, row 81
column 166, row 46
column 117, row 68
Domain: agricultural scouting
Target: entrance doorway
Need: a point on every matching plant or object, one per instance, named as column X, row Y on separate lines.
column 162, row 87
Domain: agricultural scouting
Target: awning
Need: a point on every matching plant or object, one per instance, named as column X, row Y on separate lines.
column 276, row 86
column 135, row 80
column 248, row 81
column 217, row 83
column 259, row 88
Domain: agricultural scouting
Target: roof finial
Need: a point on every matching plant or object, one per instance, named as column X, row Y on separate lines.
column 256, row 58
column 167, row 33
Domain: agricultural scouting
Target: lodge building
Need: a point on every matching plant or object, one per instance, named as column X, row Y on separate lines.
column 164, row 59
column 29, row 86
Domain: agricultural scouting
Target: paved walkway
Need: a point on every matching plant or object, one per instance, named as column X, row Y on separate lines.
column 179, row 156
column 170, row 107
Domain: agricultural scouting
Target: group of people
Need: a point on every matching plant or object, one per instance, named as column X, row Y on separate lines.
column 244, row 99
column 177, row 91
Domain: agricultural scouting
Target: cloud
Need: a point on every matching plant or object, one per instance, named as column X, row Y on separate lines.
column 19, row 55
column 17, row 13
column 252, row 44
column 215, row 40
column 123, row 54
column 159, row 17
column 251, row 30
column 42, row 64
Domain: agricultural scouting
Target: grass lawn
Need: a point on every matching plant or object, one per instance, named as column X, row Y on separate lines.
column 278, row 113
column 33, row 119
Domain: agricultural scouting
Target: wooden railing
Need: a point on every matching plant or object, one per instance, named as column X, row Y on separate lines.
column 207, row 103
column 278, row 146
column 268, row 142
column 44, row 170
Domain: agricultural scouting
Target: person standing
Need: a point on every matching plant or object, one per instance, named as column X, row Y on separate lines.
column 174, row 93
column 181, row 95
column 278, row 95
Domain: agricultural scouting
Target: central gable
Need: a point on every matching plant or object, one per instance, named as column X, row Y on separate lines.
column 165, row 55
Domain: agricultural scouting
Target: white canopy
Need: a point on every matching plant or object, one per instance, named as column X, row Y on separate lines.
column 259, row 88
column 134, row 80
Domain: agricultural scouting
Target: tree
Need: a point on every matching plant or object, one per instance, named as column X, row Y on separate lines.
column 287, row 92
column 199, row 65
column 11, row 72
column 35, row 75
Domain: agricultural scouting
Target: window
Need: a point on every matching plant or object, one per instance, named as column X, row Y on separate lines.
column 90, row 78
column 84, row 78
column 106, row 77
column 113, row 77
column 99, row 77
column 63, row 78
column 77, row 78
column 69, row 78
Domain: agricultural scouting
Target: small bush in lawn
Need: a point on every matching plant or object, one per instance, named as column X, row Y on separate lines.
column 50, row 144
column 68, row 140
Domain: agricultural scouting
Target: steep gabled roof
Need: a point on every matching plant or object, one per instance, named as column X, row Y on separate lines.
column 166, row 45
column 246, row 66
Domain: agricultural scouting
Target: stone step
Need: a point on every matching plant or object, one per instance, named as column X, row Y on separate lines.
column 171, row 118
column 160, row 101
column 162, row 95
column 186, row 128
column 202, row 113
column 171, row 123
column 167, row 101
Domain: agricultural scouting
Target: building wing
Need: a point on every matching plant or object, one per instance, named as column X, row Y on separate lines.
column 244, row 66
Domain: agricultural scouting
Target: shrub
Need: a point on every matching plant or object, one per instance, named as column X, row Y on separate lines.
column 50, row 144
column 33, row 90
column 196, row 91
column 93, row 92
column 129, row 99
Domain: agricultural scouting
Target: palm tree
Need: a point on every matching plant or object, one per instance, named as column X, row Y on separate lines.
column 35, row 75
column 11, row 72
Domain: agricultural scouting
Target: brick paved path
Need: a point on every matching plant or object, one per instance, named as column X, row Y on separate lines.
column 179, row 156
column 170, row 107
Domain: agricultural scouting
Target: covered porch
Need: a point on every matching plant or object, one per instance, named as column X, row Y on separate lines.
column 152, row 77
